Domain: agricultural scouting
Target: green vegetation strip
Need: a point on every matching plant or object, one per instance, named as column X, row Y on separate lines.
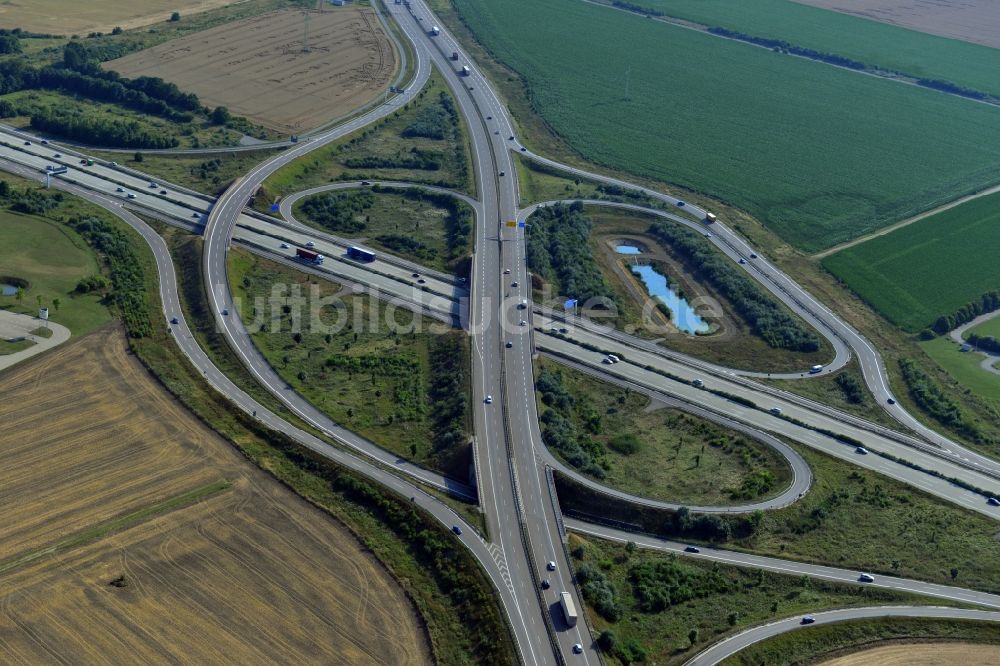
column 827, row 641
column 748, row 125
column 873, row 43
column 117, row 524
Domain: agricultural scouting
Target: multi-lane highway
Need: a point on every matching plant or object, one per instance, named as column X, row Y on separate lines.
column 513, row 487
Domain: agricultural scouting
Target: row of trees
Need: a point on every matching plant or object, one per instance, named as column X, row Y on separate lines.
column 768, row 318
column 781, row 45
column 414, row 158
column 984, row 342
column 124, row 133
column 931, row 398
column 988, row 302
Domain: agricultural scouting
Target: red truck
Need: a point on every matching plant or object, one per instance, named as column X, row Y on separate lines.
column 309, row 255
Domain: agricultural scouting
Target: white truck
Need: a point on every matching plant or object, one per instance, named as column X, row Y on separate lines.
column 435, row 31
column 465, row 71
column 568, row 608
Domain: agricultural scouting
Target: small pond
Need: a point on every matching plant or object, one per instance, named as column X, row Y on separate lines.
column 7, row 290
column 624, row 247
column 682, row 315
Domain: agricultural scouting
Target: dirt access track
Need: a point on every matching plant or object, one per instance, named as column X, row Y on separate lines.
column 209, row 560
column 81, row 17
column 976, row 21
column 258, row 67
column 922, row 654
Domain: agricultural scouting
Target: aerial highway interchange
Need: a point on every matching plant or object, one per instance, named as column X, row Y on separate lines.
column 526, row 532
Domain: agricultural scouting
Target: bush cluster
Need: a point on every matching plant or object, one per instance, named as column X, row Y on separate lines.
column 769, row 320
column 558, row 247
column 129, row 296
column 339, row 211
column 931, row 398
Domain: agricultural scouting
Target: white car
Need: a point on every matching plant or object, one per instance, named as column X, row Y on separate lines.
column 310, row 244
column 577, row 648
column 506, row 271
column 119, row 189
column 522, row 323
column 551, row 566
column 489, row 400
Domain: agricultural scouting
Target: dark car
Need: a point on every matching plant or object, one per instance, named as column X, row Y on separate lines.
column 546, row 584
column 891, row 401
column 174, row 320
column 509, row 344
column 993, row 501
column 163, row 191
column 692, row 549
column 416, row 275
column 456, row 529
column 753, row 255
column 808, row 619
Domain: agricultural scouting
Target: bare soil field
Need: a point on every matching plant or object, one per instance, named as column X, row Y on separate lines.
column 976, row 21
column 73, row 17
column 258, row 68
column 247, row 573
column 922, row 654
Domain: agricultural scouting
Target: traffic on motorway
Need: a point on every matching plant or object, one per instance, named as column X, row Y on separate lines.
column 526, row 558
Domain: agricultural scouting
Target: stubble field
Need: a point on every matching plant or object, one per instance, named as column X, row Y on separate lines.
column 68, row 17
column 970, row 20
column 258, row 67
column 133, row 533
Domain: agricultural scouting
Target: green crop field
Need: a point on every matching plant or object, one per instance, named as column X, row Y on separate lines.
column 886, row 46
column 929, row 268
column 819, row 154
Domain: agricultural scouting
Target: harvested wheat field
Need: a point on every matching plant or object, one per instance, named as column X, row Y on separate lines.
column 70, row 17
column 133, row 534
column 976, row 21
column 257, row 67
column 922, row 654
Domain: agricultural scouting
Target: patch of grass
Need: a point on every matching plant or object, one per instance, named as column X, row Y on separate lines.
column 53, row 259
column 568, row 53
column 826, row 641
column 358, row 362
column 383, row 151
column 872, row 42
column 850, row 518
column 990, row 327
column 8, row 347
column 926, row 269
column 42, row 332
column 429, row 229
column 653, row 452
column 668, row 608
column 208, row 174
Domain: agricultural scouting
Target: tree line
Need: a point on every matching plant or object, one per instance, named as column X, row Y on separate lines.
column 988, row 302
column 768, row 318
